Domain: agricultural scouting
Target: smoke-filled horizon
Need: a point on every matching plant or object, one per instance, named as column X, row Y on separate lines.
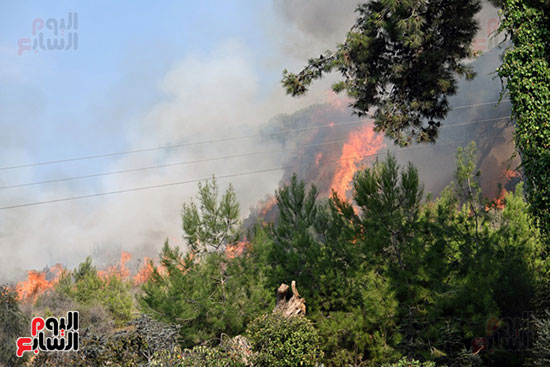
column 219, row 84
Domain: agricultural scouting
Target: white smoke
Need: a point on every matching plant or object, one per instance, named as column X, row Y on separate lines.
column 206, row 96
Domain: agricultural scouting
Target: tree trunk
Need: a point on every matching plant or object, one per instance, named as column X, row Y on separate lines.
column 294, row 306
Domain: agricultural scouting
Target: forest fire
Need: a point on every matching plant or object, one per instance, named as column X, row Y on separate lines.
column 37, row 283
column 144, row 272
column 119, row 270
column 267, row 205
column 509, row 176
column 233, row 251
column 361, row 143
column 500, row 202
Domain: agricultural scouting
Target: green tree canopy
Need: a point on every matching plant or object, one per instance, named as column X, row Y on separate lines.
column 212, row 223
column 402, row 58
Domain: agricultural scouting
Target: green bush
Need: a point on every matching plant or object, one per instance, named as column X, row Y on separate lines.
column 13, row 324
column 200, row 356
column 404, row 362
column 540, row 353
column 282, row 342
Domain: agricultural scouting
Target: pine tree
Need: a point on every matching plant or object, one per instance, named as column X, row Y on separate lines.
column 403, row 59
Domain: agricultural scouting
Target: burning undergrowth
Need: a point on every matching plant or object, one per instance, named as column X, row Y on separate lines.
column 134, row 272
column 40, row 282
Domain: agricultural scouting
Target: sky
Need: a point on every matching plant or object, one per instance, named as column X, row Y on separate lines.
column 145, row 74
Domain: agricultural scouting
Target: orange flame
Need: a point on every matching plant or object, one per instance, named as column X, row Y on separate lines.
column 232, row 251
column 500, row 202
column 144, row 272
column 361, row 143
column 118, row 270
column 266, row 206
column 509, row 174
column 37, row 283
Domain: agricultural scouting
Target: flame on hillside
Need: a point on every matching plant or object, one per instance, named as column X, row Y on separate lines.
column 238, row 249
column 38, row 282
column 118, row 270
column 500, row 201
column 361, row 143
column 144, row 272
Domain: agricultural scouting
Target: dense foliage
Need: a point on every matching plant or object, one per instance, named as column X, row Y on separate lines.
column 13, row 325
column 541, row 349
column 89, row 292
column 526, row 70
column 284, row 342
column 389, row 274
column 402, row 57
column 392, row 277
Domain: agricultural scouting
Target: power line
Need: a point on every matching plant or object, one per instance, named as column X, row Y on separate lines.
column 136, row 189
column 205, row 160
column 200, row 160
column 476, row 122
column 187, row 181
column 168, row 165
column 479, row 104
column 175, row 146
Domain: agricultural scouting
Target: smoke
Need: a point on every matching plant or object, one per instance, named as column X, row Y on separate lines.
column 206, row 96
column 309, row 27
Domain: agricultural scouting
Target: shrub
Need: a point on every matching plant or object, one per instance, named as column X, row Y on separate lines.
column 12, row 326
column 200, row 356
column 405, row 362
column 541, row 347
column 282, row 342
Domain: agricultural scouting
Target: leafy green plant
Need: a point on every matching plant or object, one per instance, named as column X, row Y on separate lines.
column 213, row 223
column 13, row 324
column 405, row 362
column 284, row 342
column 526, row 73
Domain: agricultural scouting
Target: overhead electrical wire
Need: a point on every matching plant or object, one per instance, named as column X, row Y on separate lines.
column 476, row 122
column 177, row 183
column 169, row 165
column 204, row 160
column 175, row 146
column 479, row 104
